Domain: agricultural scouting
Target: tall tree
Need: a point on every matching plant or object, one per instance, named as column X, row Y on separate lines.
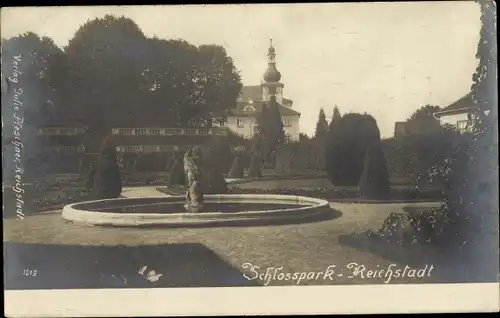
column 374, row 180
column 29, row 96
column 320, row 136
column 167, row 83
column 261, row 139
column 321, row 125
column 105, row 57
column 336, row 115
column 473, row 199
column 107, row 178
column 276, row 125
column 218, row 81
column 467, row 222
column 348, row 139
column 29, row 61
column 270, row 134
column 425, row 114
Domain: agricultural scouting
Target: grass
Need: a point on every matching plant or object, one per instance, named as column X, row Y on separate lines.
column 297, row 248
column 310, row 183
column 53, row 191
column 320, row 187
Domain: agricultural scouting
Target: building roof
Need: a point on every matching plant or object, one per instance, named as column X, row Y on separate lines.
column 254, row 92
column 257, row 105
column 251, row 92
column 462, row 105
column 406, row 128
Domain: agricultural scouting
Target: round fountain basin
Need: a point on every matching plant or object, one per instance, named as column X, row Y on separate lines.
column 217, row 210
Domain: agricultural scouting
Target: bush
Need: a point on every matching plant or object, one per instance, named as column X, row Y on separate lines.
column 236, row 168
column 374, row 181
column 347, row 141
column 145, row 178
column 84, row 165
column 414, row 155
column 342, row 193
column 89, row 182
column 176, row 175
column 303, row 155
column 170, row 161
column 107, row 180
column 254, row 169
column 218, row 152
column 213, row 182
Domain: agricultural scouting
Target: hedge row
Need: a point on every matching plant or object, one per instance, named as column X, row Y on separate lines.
column 344, row 193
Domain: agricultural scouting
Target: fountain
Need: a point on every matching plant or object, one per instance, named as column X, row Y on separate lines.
column 195, row 208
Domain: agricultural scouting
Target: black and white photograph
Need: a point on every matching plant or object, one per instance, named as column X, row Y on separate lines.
column 263, row 148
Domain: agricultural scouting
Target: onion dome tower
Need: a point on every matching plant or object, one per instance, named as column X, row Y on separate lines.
column 272, row 87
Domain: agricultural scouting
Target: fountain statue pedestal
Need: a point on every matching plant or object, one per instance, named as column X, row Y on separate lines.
column 193, row 208
column 192, row 169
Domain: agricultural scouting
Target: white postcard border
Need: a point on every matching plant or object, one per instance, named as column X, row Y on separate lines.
column 424, row 298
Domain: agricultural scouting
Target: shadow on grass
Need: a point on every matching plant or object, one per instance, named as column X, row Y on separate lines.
column 77, row 266
column 449, row 267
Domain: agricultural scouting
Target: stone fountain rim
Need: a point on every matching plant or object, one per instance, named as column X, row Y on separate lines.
column 312, row 206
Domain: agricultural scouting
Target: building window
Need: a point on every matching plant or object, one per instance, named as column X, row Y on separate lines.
column 140, row 131
column 240, row 123
column 286, row 122
column 288, row 138
column 249, row 108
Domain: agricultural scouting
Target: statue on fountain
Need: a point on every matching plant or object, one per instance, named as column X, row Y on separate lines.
column 192, row 170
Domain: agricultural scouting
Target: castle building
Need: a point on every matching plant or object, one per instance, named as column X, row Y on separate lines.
column 242, row 120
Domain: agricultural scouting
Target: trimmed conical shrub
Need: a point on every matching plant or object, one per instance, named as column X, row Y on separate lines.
column 84, row 165
column 213, row 181
column 107, row 179
column 254, row 169
column 236, row 168
column 176, row 175
column 374, row 182
column 89, row 181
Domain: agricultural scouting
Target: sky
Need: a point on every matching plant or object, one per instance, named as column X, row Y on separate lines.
column 386, row 59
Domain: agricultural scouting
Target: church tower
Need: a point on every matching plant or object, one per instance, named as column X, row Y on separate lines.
column 272, row 85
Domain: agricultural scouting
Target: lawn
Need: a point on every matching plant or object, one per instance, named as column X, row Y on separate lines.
column 321, row 187
column 203, row 256
column 312, row 183
column 53, row 191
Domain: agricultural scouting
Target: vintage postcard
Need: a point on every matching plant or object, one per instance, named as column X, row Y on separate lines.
column 250, row 159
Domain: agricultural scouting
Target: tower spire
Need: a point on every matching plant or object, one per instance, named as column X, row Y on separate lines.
column 272, row 74
column 272, row 89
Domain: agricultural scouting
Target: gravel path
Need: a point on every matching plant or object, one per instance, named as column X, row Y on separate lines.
column 142, row 192
column 310, row 247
